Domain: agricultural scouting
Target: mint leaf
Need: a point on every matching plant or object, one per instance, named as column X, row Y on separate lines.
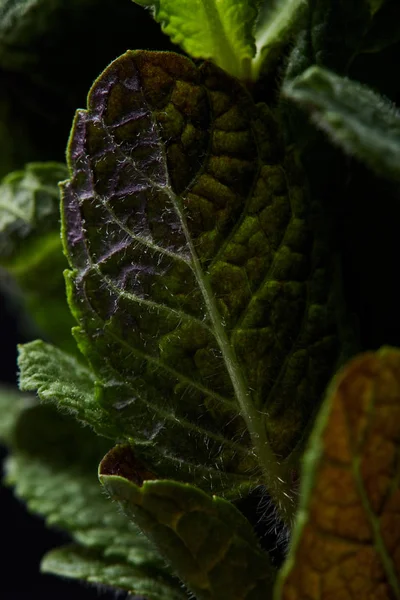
column 30, row 245
column 58, row 377
column 53, row 468
column 201, row 292
column 363, row 123
column 218, row 30
column 207, row 541
column 76, row 562
column 350, row 497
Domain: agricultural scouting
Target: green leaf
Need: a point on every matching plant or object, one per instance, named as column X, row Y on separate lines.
column 58, row 377
column 206, row 540
column 346, row 540
column 53, row 468
column 220, row 30
column 363, row 123
column 201, row 289
column 276, row 23
column 30, row 245
column 87, row 565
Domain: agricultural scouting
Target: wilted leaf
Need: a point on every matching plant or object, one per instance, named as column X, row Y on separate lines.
column 207, row 541
column 363, row 123
column 346, row 542
column 222, row 31
column 199, row 284
column 30, row 245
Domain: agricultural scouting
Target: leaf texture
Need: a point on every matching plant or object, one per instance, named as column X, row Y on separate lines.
column 219, row 30
column 30, row 245
column 356, row 118
column 199, row 285
column 207, row 541
column 87, row 565
column 59, row 377
column 346, row 542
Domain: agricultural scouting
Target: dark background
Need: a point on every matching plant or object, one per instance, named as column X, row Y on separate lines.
column 365, row 211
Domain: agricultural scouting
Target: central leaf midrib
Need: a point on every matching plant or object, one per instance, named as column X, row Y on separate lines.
column 222, row 47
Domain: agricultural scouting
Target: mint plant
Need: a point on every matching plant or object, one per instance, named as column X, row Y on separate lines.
column 212, row 348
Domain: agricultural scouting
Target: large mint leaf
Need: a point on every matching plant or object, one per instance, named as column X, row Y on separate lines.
column 207, row 541
column 363, row 123
column 87, row 565
column 346, row 540
column 220, row 30
column 30, row 245
column 198, row 281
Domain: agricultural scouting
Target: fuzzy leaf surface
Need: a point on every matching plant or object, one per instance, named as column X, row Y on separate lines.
column 30, row 245
column 206, row 540
column 346, row 542
column 88, row 565
column 360, row 121
column 219, row 30
column 200, row 289
column 59, row 378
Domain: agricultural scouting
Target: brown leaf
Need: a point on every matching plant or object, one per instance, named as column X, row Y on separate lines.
column 346, row 543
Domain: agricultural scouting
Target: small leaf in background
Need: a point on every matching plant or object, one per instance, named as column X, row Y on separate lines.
column 202, row 292
column 88, row 565
column 58, row 377
column 221, row 31
column 363, row 123
column 206, row 540
column 346, row 541
column 30, row 245
column 53, row 466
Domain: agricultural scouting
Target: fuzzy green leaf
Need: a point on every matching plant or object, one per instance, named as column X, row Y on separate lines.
column 206, row 540
column 30, row 245
column 58, row 377
column 200, row 287
column 363, row 123
column 87, row 565
column 219, row 30
column 346, row 540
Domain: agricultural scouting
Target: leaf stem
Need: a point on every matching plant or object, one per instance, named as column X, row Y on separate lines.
column 276, row 473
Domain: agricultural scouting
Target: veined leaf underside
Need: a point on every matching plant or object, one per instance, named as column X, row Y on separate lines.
column 200, row 289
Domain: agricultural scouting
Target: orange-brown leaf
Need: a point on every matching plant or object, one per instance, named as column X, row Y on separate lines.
column 346, row 543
